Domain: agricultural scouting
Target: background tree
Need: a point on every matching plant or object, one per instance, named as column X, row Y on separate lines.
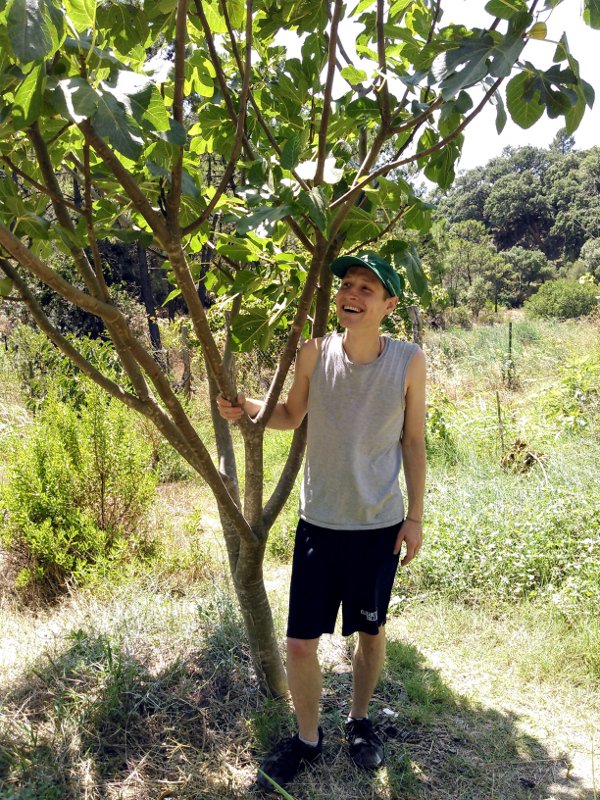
column 129, row 98
column 532, row 198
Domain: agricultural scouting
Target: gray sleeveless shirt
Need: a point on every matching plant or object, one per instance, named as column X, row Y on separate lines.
column 353, row 452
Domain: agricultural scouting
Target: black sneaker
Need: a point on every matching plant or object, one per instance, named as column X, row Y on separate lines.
column 366, row 748
column 286, row 759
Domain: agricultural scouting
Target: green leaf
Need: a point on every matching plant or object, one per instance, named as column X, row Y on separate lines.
column 29, row 30
column 418, row 216
column 111, row 123
column 75, row 99
column 353, row 75
column 266, row 216
column 472, row 55
column 406, row 256
column 246, row 281
column 364, row 108
column 440, row 168
column 171, row 296
column 538, row 31
column 506, row 54
column 6, row 287
column 249, row 330
column 501, row 116
column 505, row 9
column 562, row 51
column 315, row 202
column 238, row 249
column 214, row 18
column 290, row 155
column 591, row 13
column 28, row 98
column 359, row 227
column 525, row 110
column 82, row 13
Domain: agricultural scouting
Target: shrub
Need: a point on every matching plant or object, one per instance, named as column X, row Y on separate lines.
column 563, row 299
column 440, row 439
column 78, row 490
column 458, row 317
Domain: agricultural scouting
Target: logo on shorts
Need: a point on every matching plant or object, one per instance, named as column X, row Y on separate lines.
column 370, row 615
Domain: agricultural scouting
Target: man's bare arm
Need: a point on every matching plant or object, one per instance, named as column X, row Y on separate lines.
column 289, row 413
column 413, row 458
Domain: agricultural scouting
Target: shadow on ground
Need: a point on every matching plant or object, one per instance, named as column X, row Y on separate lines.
column 97, row 722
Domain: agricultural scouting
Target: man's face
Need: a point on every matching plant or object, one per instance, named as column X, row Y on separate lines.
column 362, row 300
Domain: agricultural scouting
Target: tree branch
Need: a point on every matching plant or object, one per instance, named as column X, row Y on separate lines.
column 64, row 345
column 62, row 215
column 351, row 193
column 289, row 351
column 89, row 220
column 239, row 130
column 223, row 83
column 174, row 196
column 288, row 476
column 322, row 146
column 154, row 219
column 43, row 189
column 382, row 89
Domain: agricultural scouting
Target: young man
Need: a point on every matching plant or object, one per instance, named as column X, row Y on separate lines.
column 365, row 398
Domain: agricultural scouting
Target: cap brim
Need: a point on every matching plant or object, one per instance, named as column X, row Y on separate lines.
column 341, row 265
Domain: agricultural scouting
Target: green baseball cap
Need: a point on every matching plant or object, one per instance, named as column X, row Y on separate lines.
column 382, row 269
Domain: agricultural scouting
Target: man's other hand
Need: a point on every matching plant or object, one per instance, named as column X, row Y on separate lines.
column 411, row 533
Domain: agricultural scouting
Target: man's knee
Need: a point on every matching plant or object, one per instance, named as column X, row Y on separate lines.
column 301, row 648
column 372, row 643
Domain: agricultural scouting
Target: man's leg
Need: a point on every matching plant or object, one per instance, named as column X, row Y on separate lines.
column 305, row 683
column 366, row 748
column 304, row 679
column 367, row 662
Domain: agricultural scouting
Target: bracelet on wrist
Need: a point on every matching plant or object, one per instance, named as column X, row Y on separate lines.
column 418, row 521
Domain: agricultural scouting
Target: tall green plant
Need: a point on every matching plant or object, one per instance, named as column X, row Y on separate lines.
column 78, row 491
column 187, row 127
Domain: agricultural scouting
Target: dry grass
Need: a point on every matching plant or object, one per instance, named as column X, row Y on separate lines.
column 145, row 691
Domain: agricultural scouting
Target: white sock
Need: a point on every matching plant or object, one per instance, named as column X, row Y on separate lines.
column 356, row 719
column 309, row 743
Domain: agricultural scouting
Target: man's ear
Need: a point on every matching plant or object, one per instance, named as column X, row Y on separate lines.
column 392, row 302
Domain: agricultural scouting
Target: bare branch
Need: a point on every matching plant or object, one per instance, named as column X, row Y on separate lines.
column 414, row 122
column 198, row 316
column 60, row 209
column 89, row 220
column 300, row 235
column 333, row 40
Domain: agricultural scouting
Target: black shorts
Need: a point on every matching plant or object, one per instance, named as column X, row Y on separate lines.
column 331, row 567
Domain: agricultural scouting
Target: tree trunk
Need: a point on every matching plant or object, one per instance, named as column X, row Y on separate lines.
column 150, row 305
column 246, row 565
